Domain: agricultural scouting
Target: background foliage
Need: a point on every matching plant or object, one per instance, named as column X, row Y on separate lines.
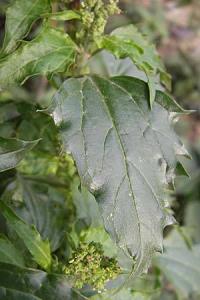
column 53, row 244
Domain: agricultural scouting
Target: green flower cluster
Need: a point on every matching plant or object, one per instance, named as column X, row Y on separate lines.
column 89, row 266
column 94, row 17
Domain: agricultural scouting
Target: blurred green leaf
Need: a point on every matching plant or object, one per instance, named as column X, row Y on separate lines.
column 181, row 266
column 192, row 219
column 39, row 249
column 37, row 202
column 51, row 51
column 20, row 15
column 87, row 209
column 124, row 294
column 64, row 15
column 106, row 64
column 9, row 254
column 9, row 294
column 12, row 151
column 8, row 111
column 29, row 284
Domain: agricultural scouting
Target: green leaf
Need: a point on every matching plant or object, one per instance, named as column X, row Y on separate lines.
column 29, row 284
column 9, row 294
column 12, row 151
column 142, row 288
column 99, row 235
column 65, row 15
column 19, row 18
column 8, row 111
column 181, row 170
column 181, row 266
column 40, row 205
column 105, row 64
column 124, row 294
column 87, row 209
column 51, row 51
column 192, row 220
column 124, row 155
column 127, row 41
column 39, row 249
column 9, row 254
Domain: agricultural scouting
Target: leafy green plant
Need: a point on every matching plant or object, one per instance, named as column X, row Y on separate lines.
column 88, row 175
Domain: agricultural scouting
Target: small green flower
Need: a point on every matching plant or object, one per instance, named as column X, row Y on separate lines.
column 94, row 17
column 90, row 266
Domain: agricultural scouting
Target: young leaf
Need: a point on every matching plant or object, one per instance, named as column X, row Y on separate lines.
column 9, row 254
column 65, row 15
column 124, row 156
column 19, row 18
column 51, row 51
column 29, row 284
column 38, row 248
column 128, row 42
column 12, row 151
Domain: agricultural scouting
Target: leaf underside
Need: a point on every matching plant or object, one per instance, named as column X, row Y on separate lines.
column 124, row 155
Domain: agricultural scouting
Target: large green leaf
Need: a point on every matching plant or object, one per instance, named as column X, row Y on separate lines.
column 124, row 154
column 9, row 254
column 28, row 284
column 181, row 266
column 51, row 51
column 39, row 249
column 127, row 41
column 19, row 18
column 12, row 151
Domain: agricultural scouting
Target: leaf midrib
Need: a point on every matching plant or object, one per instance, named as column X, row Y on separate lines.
column 123, row 151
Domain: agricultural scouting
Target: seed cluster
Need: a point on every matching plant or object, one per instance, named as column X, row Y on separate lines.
column 95, row 14
column 90, row 266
